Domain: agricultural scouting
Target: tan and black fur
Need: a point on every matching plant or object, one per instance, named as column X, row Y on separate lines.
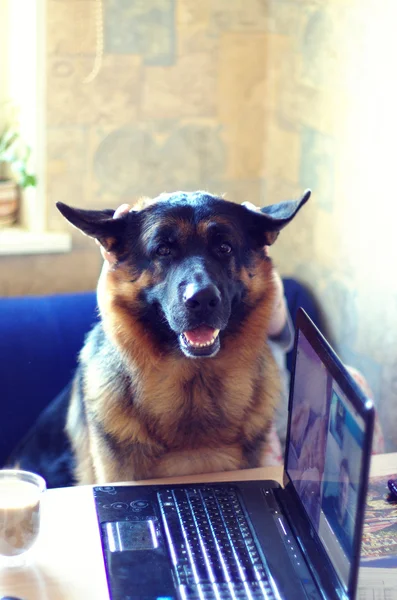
column 146, row 403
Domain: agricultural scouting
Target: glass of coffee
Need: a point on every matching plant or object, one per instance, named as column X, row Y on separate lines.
column 20, row 493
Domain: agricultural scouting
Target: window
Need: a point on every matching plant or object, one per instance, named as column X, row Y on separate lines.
column 22, row 84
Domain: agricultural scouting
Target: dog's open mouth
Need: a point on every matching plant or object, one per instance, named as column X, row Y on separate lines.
column 201, row 341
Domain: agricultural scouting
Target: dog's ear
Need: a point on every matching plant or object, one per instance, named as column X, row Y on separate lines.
column 271, row 219
column 98, row 224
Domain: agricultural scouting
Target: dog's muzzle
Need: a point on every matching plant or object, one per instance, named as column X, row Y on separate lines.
column 201, row 303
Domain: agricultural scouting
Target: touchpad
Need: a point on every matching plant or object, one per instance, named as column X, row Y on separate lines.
column 120, row 536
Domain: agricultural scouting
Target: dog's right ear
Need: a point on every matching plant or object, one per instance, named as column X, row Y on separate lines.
column 98, row 224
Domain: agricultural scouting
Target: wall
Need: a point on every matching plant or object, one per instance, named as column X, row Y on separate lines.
column 256, row 100
column 333, row 129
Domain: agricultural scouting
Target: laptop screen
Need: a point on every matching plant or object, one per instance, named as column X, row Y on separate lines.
column 324, row 455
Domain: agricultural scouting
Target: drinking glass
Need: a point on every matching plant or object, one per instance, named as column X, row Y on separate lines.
column 20, row 493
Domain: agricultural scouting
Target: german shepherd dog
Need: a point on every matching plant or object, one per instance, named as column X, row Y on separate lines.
column 177, row 377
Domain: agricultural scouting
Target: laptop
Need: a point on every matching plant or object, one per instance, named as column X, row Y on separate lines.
column 255, row 539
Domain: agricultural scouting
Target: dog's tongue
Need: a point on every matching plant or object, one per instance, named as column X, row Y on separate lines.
column 200, row 335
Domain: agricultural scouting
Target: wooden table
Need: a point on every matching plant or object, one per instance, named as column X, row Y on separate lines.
column 67, row 563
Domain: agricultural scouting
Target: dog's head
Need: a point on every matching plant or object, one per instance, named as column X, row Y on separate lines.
column 189, row 267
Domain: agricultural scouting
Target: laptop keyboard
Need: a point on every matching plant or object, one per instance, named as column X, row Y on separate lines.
column 211, row 545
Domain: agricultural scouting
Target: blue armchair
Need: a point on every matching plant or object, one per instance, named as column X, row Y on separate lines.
column 40, row 338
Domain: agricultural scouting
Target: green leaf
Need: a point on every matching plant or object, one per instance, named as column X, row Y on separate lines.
column 14, row 152
column 8, row 139
column 30, row 180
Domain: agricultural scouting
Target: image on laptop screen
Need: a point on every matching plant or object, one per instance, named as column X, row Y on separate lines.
column 324, row 457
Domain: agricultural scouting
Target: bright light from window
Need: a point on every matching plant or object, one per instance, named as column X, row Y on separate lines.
column 22, row 83
column 22, row 45
column 369, row 147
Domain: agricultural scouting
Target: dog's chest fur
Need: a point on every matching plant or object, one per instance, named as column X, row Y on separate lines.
column 186, row 417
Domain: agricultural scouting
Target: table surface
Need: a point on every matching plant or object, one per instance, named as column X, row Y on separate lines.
column 66, row 561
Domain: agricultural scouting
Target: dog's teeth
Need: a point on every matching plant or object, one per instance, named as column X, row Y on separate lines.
column 203, row 344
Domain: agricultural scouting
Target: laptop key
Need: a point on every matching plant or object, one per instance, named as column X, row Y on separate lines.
column 220, row 557
column 225, row 591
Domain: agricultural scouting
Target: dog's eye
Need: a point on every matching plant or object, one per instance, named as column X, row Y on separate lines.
column 225, row 248
column 163, row 250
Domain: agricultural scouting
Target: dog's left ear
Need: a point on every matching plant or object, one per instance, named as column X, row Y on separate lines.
column 98, row 224
column 277, row 216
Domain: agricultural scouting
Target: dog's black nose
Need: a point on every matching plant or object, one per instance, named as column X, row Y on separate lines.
column 201, row 298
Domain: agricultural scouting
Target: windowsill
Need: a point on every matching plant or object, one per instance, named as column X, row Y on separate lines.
column 15, row 240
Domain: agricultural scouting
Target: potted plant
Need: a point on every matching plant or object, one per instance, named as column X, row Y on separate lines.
column 14, row 174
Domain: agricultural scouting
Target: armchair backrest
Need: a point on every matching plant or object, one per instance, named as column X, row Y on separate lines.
column 40, row 338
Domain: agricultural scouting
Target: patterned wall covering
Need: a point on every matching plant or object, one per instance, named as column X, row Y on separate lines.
column 257, row 100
